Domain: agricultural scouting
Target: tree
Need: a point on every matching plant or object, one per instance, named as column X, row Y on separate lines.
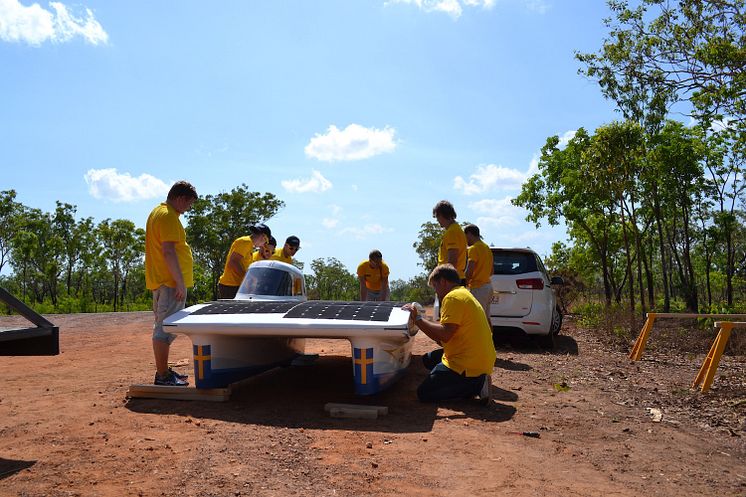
column 331, row 281
column 10, row 211
column 427, row 245
column 124, row 247
column 661, row 52
column 215, row 221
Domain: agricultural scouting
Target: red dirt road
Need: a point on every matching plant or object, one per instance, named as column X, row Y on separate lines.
column 68, row 429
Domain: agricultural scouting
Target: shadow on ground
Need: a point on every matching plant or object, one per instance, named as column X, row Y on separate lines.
column 294, row 397
column 515, row 340
column 9, row 467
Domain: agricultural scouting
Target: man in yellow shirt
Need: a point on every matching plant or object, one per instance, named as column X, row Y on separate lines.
column 240, row 256
column 286, row 253
column 462, row 369
column 453, row 246
column 479, row 268
column 373, row 276
column 168, row 272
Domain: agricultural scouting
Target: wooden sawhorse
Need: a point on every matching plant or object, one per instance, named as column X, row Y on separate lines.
column 706, row 373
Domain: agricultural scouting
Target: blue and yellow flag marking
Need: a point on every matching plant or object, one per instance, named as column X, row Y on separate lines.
column 363, row 360
column 202, row 360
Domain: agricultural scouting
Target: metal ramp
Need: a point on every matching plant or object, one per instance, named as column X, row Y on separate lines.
column 43, row 339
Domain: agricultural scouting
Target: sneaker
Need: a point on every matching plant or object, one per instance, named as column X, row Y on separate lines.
column 484, row 393
column 170, row 380
column 178, row 375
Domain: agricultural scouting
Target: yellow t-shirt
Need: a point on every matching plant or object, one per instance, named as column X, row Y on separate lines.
column 243, row 246
column 481, row 257
column 257, row 256
column 372, row 276
column 278, row 256
column 454, row 238
column 471, row 348
column 164, row 225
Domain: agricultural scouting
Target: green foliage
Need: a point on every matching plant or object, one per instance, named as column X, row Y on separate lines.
column 414, row 290
column 331, row 281
column 427, row 245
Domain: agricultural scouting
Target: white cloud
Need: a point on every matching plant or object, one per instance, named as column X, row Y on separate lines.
column 489, row 177
column 565, row 138
column 317, row 183
column 365, row 231
column 331, row 222
column 355, row 142
column 455, row 8
column 35, row 25
column 108, row 184
column 498, row 213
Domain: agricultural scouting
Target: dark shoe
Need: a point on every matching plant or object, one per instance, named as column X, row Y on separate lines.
column 484, row 393
column 180, row 376
column 170, row 380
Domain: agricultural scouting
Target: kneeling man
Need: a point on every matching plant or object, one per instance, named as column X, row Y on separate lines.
column 462, row 369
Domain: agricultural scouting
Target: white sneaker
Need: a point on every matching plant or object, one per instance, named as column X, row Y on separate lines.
column 484, row 393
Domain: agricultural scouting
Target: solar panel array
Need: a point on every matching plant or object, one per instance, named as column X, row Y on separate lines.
column 246, row 307
column 353, row 311
column 313, row 309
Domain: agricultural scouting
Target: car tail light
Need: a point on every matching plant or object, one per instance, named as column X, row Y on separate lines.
column 530, row 284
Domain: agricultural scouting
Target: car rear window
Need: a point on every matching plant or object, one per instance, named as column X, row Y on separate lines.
column 506, row 262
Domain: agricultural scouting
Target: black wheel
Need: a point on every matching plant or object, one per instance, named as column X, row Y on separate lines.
column 556, row 325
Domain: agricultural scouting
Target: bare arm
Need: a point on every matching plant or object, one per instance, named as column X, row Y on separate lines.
column 385, row 288
column 169, row 254
column 453, row 257
column 439, row 332
column 234, row 262
column 363, row 289
column 469, row 270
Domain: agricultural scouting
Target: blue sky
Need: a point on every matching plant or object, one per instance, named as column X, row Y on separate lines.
column 359, row 115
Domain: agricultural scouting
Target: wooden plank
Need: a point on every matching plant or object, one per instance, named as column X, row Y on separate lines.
column 734, row 324
column 382, row 410
column 692, row 315
column 342, row 412
column 179, row 393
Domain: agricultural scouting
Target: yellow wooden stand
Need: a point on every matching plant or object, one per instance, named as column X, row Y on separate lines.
column 179, row 393
column 639, row 346
column 706, row 373
column 642, row 339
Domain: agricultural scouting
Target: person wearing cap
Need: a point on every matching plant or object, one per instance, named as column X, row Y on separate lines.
column 478, row 268
column 373, row 276
column 240, row 256
column 286, row 253
column 265, row 253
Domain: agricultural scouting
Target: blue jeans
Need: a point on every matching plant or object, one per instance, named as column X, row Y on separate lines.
column 445, row 384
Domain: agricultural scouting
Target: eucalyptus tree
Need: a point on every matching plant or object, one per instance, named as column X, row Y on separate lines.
column 331, row 281
column 123, row 248
column 10, row 211
column 569, row 187
column 428, row 244
column 661, row 52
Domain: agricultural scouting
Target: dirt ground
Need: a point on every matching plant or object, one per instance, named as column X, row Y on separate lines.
column 68, row 429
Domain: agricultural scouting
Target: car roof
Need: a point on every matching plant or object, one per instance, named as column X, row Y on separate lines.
column 514, row 249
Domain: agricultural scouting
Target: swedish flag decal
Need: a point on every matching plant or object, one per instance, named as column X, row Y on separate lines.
column 365, row 380
column 202, row 361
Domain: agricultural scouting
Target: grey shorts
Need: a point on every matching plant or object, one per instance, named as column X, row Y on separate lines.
column 164, row 304
column 483, row 294
column 373, row 296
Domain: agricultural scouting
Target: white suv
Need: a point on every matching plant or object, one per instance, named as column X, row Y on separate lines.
column 523, row 296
